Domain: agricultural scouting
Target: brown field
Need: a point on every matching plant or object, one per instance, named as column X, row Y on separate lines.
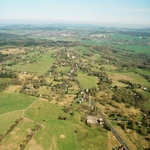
column 13, row 51
column 12, row 88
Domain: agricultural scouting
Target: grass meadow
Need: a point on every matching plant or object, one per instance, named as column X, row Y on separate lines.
column 4, row 80
column 133, row 48
column 14, row 101
column 42, row 65
column 72, row 133
column 64, row 69
column 19, row 133
column 129, row 76
column 7, row 120
column 145, row 72
column 81, row 49
column 54, row 133
column 61, row 133
column 86, row 82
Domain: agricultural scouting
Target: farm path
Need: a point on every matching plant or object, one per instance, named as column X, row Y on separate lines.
column 21, row 109
column 29, row 107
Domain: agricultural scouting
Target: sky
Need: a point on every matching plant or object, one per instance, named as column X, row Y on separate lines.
column 131, row 13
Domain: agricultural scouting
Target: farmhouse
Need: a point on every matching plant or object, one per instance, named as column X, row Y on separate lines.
column 93, row 120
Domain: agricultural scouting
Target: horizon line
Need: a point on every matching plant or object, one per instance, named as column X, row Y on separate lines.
column 48, row 22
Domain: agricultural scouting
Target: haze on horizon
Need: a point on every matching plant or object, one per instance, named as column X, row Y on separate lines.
column 126, row 13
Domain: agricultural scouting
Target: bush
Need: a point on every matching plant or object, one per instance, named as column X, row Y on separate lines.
column 107, row 126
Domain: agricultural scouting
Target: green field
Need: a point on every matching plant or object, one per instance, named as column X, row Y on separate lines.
column 54, row 133
column 15, row 138
column 5, row 80
column 54, row 127
column 41, row 66
column 147, row 95
column 145, row 72
column 39, row 53
column 7, row 120
column 13, row 102
column 86, row 82
column 92, row 42
column 43, row 90
column 133, row 48
column 64, row 69
column 81, row 49
column 129, row 76
column 135, row 78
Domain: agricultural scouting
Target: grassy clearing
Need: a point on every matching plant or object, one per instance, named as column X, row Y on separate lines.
column 12, row 89
column 92, row 42
column 135, row 78
column 86, row 82
column 82, row 49
column 64, row 69
column 109, row 67
column 11, row 102
column 41, row 110
column 43, row 90
column 147, row 104
column 49, row 80
column 129, row 38
column 5, row 80
column 42, row 65
column 146, row 72
column 130, row 76
column 119, row 84
column 74, row 87
column 7, row 120
column 147, row 95
column 61, row 133
column 93, row 139
column 48, row 115
column 134, row 48
column 97, row 57
column 15, row 138
column 54, row 133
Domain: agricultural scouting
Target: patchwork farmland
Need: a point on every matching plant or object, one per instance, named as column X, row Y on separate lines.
column 48, row 85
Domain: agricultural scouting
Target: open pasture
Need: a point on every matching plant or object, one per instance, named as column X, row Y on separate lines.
column 53, row 129
column 61, row 133
column 42, row 65
column 17, row 135
column 5, row 80
column 81, row 49
column 13, row 102
column 129, row 76
column 92, row 42
column 135, row 48
column 64, row 69
column 7, row 120
column 86, row 82
column 145, row 72
column 147, row 96
column 42, row 90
